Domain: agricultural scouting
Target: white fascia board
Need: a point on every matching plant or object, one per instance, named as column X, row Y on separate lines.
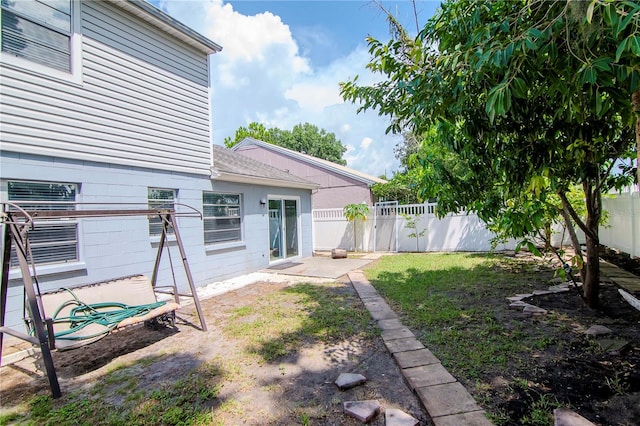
column 151, row 14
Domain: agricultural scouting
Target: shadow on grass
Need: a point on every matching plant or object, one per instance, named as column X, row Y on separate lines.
column 271, row 358
column 308, row 314
column 155, row 389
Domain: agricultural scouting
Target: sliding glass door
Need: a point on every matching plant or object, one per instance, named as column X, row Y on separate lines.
column 283, row 228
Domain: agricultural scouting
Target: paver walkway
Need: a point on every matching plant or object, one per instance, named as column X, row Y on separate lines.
column 445, row 399
column 626, row 280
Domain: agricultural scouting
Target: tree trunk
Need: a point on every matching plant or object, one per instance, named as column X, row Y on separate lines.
column 570, row 228
column 635, row 101
column 591, row 278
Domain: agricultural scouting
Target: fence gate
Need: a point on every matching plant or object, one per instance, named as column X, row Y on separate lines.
column 385, row 226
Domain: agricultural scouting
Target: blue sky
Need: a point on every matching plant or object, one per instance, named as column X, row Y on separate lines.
column 282, row 62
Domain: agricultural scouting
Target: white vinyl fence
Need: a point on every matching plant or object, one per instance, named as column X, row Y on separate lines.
column 387, row 229
column 622, row 230
column 415, row 228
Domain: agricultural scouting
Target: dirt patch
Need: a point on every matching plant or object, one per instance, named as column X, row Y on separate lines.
column 597, row 376
column 296, row 388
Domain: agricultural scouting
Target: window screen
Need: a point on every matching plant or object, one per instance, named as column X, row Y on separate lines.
column 52, row 241
column 160, row 198
column 222, row 217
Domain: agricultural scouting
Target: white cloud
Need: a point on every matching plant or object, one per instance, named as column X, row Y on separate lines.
column 261, row 75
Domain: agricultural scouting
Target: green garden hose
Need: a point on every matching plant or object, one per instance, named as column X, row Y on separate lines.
column 83, row 315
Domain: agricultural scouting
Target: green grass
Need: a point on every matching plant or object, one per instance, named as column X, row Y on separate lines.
column 456, row 304
column 280, row 322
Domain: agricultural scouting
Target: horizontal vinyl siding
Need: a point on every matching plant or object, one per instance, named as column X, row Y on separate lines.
column 143, row 101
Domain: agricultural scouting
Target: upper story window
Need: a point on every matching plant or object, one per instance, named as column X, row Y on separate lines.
column 41, row 32
column 160, row 198
column 222, row 217
column 54, row 240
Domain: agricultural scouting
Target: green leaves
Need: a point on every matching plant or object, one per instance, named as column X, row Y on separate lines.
column 498, row 101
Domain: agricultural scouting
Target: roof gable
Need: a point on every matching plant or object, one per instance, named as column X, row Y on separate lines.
column 319, row 162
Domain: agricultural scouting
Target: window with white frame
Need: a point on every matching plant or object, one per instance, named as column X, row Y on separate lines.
column 52, row 241
column 39, row 31
column 160, row 198
column 222, row 217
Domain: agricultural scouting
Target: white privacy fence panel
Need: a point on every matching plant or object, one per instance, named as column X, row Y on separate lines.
column 459, row 232
column 622, row 230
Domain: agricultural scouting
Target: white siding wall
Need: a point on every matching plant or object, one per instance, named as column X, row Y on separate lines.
column 143, row 100
column 116, row 247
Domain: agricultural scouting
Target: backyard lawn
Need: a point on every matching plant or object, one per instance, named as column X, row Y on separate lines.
column 273, row 351
column 518, row 367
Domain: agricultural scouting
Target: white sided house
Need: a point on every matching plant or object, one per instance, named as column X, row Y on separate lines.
column 338, row 185
column 109, row 102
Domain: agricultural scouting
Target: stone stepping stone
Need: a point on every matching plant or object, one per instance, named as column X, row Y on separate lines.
column 390, row 324
column 612, row 345
column 349, row 380
column 566, row 417
column 427, row 375
column 362, row 410
column 447, row 399
column 473, row 418
column 519, row 305
column 396, row 417
column 560, row 288
column 403, row 345
column 534, row 310
column 597, row 330
column 417, row 358
column 398, row 333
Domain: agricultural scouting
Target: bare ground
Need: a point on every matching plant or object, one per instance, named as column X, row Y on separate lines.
column 297, row 388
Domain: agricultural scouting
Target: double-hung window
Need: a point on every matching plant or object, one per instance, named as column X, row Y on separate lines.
column 160, row 198
column 41, row 31
column 55, row 240
column 222, row 217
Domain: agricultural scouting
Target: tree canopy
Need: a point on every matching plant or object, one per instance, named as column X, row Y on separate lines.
column 305, row 138
column 527, row 99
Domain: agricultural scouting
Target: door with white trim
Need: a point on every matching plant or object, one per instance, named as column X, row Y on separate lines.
column 284, row 235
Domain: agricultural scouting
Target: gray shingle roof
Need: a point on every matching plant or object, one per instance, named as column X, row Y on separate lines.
column 319, row 162
column 233, row 166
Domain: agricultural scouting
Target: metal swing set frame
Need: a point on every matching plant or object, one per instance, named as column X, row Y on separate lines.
column 16, row 223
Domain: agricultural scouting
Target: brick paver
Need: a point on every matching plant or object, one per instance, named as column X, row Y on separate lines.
column 446, row 400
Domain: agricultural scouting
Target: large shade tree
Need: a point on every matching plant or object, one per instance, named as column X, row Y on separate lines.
column 528, row 99
column 305, row 138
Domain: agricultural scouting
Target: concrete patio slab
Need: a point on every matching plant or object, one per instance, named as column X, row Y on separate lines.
column 320, row 266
